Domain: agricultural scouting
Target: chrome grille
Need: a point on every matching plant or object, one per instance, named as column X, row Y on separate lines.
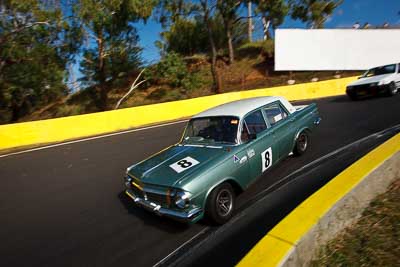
column 136, row 180
column 137, row 191
column 160, row 199
column 157, row 195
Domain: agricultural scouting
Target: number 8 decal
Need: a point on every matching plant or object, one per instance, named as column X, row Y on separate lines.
column 183, row 164
column 266, row 158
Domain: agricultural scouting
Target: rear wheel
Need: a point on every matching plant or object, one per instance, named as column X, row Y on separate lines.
column 220, row 204
column 392, row 90
column 302, row 143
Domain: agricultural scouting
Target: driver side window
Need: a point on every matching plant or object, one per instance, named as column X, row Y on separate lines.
column 255, row 122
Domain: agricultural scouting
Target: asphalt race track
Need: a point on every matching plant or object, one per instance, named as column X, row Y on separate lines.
column 64, row 206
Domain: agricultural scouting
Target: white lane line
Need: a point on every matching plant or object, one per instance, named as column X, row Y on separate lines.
column 181, row 246
column 91, row 138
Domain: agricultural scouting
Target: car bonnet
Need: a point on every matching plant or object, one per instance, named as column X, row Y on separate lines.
column 173, row 164
column 372, row 79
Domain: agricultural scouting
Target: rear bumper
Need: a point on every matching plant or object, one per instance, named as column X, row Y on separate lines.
column 189, row 216
column 366, row 89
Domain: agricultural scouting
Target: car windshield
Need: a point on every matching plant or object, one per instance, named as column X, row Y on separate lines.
column 211, row 130
column 380, row 71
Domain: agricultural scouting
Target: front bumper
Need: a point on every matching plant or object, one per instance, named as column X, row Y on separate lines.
column 366, row 89
column 183, row 216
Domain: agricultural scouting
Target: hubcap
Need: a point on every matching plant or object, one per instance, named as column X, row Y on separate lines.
column 224, row 202
column 303, row 142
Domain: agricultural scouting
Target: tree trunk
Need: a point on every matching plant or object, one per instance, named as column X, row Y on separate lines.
column 230, row 45
column 103, row 98
column 102, row 101
column 266, row 24
column 15, row 112
column 250, row 21
column 214, row 70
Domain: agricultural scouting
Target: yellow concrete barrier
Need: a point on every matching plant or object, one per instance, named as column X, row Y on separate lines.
column 61, row 129
column 275, row 248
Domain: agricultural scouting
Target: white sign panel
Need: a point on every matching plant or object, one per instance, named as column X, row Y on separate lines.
column 335, row 49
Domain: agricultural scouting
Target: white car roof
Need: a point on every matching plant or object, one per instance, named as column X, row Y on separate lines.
column 241, row 107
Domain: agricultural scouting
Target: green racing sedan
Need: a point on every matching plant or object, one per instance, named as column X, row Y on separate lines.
column 221, row 153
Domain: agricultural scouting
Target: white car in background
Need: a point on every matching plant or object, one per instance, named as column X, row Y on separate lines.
column 383, row 79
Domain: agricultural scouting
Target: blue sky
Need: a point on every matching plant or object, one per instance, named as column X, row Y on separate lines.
column 375, row 12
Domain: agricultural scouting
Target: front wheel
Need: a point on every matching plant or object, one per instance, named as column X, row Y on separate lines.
column 392, row 90
column 220, row 204
column 302, row 143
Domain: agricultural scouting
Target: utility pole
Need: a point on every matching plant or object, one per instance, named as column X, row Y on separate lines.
column 250, row 21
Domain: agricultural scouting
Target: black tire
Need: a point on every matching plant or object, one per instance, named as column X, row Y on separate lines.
column 392, row 89
column 302, row 143
column 216, row 211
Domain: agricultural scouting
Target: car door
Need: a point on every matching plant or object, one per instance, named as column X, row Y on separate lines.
column 282, row 127
column 261, row 150
column 238, row 166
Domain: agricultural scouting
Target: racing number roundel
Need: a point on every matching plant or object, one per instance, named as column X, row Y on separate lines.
column 266, row 158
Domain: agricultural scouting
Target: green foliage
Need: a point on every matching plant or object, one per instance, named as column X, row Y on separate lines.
column 111, row 67
column 228, row 11
column 188, row 37
column 65, row 110
column 171, row 11
column 273, row 10
column 261, row 47
column 313, row 12
column 35, row 46
column 112, row 51
column 173, row 71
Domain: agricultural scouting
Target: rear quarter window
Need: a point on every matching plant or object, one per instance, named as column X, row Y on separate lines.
column 275, row 113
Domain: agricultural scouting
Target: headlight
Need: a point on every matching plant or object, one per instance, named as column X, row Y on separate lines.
column 182, row 199
column 128, row 179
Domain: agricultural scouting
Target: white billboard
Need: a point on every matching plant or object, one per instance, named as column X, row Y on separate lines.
column 335, row 49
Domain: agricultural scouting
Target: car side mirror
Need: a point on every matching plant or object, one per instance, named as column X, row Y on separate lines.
column 252, row 136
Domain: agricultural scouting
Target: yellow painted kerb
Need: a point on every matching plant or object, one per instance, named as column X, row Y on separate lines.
column 272, row 249
column 67, row 128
